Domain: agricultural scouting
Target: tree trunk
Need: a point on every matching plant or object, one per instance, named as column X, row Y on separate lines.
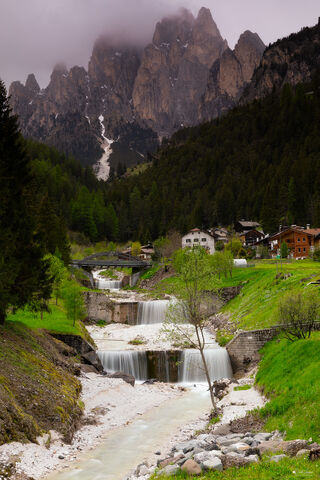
column 2, row 317
column 208, row 380
column 201, row 348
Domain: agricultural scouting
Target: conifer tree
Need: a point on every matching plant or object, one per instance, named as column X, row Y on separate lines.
column 23, row 273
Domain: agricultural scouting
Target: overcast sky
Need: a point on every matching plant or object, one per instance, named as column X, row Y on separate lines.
column 36, row 34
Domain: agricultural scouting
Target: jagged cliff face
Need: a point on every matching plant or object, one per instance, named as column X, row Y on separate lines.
column 174, row 71
column 290, row 60
column 230, row 74
column 136, row 96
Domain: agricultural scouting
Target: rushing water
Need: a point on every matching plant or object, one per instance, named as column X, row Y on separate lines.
column 144, row 365
column 124, row 448
column 191, row 368
column 127, row 361
column 153, row 311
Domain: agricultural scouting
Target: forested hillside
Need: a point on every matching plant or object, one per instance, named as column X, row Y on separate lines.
column 259, row 161
column 69, row 195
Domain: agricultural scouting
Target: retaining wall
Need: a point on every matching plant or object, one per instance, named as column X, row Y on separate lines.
column 244, row 347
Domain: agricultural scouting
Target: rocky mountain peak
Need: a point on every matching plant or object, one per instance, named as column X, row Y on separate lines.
column 248, row 51
column 205, row 24
column 170, row 28
column 32, row 84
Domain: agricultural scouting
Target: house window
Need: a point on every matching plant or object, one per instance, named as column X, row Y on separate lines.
column 299, row 250
column 298, row 239
column 196, row 239
column 188, row 240
column 203, row 239
column 303, row 239
column 304, row 249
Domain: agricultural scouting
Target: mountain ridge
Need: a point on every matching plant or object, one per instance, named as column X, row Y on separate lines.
column 151, row 91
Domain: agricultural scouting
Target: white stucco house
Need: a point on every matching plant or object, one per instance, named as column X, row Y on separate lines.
column 199, row 237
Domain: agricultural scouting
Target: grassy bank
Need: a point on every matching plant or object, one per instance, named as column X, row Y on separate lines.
column 289, row 376
column 287, row 469
column 55, row 321
column 38, row 390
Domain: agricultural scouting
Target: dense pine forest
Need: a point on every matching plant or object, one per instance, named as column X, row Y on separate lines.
column 260, row 161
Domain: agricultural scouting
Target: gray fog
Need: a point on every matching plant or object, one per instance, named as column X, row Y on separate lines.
column 36, row 34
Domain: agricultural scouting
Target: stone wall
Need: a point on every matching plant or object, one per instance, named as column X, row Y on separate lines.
column 244, row 347
column 100, row 307
column 125, row 313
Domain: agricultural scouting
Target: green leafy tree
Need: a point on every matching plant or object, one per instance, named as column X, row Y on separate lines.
column 24, row 275
column 73, row 301
column 234, row 246
column 135, row 249
column 58, row 274
column 187, row 319
column 284, row 250
column 223, row 263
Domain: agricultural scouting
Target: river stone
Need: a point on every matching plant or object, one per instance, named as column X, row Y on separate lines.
column 293, row 447
column 213, row 463
column 277, row 458
column 92, row 358
column 262, row 437
column 187, row 446
column 191, row 467
column 143, row 470
column 270, row 446
column 166, row 461
column 233, row 460
column 302, row 452
column 169, row 470
column 253, row 458
column 248, row 440
column 241, row 447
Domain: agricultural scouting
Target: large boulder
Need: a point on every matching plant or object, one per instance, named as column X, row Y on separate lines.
column 91, row 358
column 191, row 467
column 124, row 376
column 292, row 447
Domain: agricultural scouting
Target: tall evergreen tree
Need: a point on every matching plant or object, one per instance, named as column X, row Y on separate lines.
column 23, row 273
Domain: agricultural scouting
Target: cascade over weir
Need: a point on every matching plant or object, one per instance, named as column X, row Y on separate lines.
column 182, row 366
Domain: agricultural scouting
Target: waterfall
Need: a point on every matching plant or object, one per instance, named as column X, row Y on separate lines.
column 133, row 363
column 153, row 311
column 103, row 284
column 191, row 369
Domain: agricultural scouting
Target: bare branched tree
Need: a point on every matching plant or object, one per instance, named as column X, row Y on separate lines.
column 197, row 301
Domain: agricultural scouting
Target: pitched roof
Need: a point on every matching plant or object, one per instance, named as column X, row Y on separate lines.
column 245, row 223
column 309, row 231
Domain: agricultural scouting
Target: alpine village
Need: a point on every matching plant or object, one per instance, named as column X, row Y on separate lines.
column 159, row 258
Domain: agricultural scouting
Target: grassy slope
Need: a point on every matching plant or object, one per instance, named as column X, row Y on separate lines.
column 55, row 321
column 38, row 391
column 289, row 376
column 256, row 306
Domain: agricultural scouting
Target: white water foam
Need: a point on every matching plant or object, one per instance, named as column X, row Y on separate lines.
column 130, row 362
column 191, row 369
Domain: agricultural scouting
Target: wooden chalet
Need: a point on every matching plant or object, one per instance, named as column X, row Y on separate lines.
column 301, row 241
column 250, row 237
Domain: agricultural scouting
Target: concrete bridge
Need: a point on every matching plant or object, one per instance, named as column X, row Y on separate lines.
column 109, row 259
